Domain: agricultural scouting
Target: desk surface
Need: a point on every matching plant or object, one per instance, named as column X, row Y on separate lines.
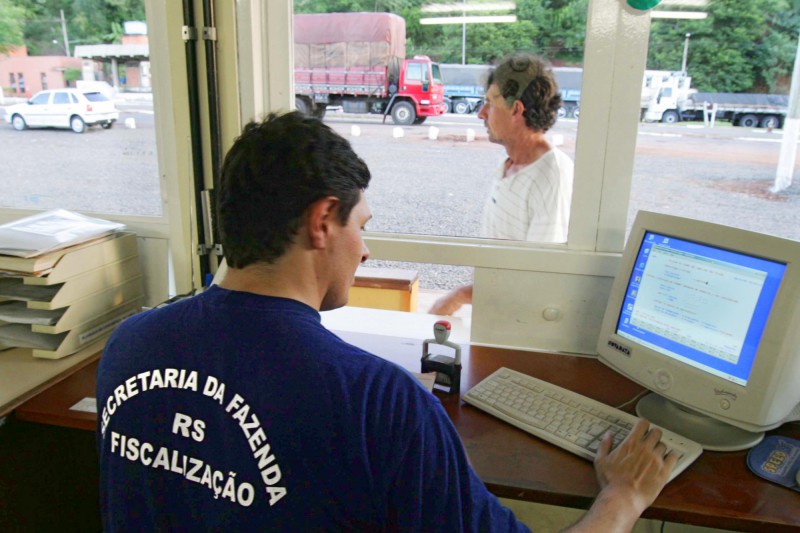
column 23, row 376
column 716, row 491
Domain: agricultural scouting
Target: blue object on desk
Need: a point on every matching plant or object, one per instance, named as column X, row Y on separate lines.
column 776, row 459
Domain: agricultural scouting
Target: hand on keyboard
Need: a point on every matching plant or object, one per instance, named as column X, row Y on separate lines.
column 568, row 419
column 641, row 462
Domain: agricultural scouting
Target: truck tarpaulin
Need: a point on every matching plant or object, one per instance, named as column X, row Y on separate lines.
column 741, row 99
column 346, row 40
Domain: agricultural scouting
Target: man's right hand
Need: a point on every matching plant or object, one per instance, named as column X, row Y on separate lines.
column 631, row 477
column 452, row 301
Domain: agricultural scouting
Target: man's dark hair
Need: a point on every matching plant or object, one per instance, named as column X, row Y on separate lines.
column 273, row 172
column 525, row 77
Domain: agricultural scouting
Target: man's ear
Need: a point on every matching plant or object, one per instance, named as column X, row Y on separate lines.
column 323, row 215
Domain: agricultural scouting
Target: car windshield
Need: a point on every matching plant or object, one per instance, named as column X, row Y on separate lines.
column 95, row 97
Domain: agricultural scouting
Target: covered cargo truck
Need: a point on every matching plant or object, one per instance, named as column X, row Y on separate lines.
column 357, row 61
column 672, row 99
column 464, row 86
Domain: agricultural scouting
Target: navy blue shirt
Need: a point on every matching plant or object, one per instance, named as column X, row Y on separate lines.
column 238, row 411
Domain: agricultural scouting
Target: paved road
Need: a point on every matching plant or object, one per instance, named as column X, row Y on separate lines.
column 107, row 171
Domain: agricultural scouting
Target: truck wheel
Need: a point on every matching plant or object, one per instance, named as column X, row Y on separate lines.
column 770, row 122
column 562, row 112
column 461, row 107
column 748, row 121
column 670, row 117
column 448, row 105
column 403, row 114
column 576, row 112
column 302, row 105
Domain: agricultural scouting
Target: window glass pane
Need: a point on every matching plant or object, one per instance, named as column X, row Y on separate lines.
column 711, row 141
column 414, row 72
column 437, row 73
column 101, row 154
column 40, row 99
column 96, row 97
column 432, row 175
column 61, row 98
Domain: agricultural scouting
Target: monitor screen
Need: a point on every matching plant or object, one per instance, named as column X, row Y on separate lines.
column 701, row 305
column 707, row 317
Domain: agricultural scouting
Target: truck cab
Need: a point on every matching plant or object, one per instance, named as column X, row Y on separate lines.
column 420, row 92
column 663, row 94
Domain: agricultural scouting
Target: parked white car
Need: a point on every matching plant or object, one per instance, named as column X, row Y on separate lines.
column 64, row 108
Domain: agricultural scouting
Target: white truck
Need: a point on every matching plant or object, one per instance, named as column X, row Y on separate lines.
column 668, row 97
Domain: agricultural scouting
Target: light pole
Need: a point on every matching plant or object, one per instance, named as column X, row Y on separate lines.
column 464, row 33
column 685, row 53
column 64, row 33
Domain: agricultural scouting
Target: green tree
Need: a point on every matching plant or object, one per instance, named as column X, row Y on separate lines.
column 88, row 22
column 11, row 25
column 742, row 46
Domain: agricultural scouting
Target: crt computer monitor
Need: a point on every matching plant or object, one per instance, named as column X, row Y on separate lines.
column 708, row 318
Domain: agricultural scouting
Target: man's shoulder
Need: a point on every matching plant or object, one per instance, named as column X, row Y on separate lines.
column 554, row 162
column 559, row 155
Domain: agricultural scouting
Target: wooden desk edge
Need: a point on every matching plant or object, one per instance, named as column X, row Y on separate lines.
column 9, row 407
column 654, row 512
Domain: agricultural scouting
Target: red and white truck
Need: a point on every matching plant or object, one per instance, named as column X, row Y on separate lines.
column 357, row 61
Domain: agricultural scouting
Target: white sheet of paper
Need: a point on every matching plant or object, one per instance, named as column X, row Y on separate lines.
column 88, row 405
column 426, row 379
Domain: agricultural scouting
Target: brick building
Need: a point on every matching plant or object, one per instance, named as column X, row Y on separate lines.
column 22, row 75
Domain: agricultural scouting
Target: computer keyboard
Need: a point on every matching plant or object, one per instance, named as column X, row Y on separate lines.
column 563, row 417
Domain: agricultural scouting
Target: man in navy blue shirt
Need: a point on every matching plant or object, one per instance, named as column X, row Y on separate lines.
column 237, row 410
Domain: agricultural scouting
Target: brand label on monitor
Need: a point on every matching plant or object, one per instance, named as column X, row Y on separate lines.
column 621, row 348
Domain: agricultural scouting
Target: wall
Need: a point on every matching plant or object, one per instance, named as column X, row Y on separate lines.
column 32, row 68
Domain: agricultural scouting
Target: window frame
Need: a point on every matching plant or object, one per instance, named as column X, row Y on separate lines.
column 258, row 78
column 514, row 280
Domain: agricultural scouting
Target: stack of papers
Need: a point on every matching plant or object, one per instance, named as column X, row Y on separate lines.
column 49, row 231
column 66, row 280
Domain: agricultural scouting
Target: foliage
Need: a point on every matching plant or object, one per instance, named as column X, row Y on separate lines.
column 87, row 22
column 11, row 29
column 72, row 75
column 742, row 46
